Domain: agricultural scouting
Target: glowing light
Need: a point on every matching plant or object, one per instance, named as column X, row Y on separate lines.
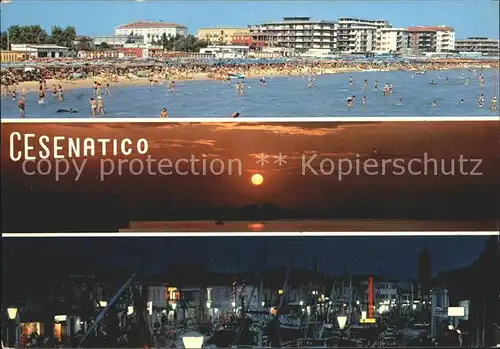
column 342, row 321
column 257, row 179
column 193, row 340
column 12, row 312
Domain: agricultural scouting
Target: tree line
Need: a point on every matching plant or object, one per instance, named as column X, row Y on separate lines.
column 35, row 34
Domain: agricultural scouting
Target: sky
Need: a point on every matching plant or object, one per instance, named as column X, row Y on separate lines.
column 396, row 257
column 99, row 199
column 97, row 17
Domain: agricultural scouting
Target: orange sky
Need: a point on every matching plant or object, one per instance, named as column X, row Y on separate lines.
column 283, row 185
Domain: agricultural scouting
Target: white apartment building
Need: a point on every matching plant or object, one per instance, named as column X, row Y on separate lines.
column 392, row 40
column 226, row 51
column 299, row 33
column 356, row 35
column 151, row 30
column 478, row 44
column 432, row 39
column 117, row 40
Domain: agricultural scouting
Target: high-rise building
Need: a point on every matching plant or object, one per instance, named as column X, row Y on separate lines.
column 356, row 35
column 432, row 39
column 482, row 45
column 300, row 33
column 392, row 40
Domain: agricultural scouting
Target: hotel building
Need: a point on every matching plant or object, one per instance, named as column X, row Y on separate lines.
column 432, row 39
column 392, row 40
column 482, row 45
column 221, row 36
column 150, row 30
column 299, row 33
column 355, row 35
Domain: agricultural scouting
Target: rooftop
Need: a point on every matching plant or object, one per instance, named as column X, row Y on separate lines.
column 149, row 24
column 430, row 28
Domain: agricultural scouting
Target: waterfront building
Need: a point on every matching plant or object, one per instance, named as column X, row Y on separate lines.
column 478, row 44
column 432, row 39
column 300, row 33
column 151, row 30
column 392, row 40
column 13, row 56
column 226, row 51
column 222, row 35
column 117, row 40
column 41, row 51
column 356, row 35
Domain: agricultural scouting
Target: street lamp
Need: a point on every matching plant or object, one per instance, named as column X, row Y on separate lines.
column 12, row 312
column 193, row 340
column 342, row 321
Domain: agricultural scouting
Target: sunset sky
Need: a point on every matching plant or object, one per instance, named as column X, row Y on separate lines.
column 111, row 203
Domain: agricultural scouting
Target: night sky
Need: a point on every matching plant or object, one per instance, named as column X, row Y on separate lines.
column 395, row 257
column 40, row 203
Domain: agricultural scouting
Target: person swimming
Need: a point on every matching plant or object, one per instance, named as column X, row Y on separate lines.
column 93, row 106
column 235, row 115
column 22, row 107
column 494, row 103
column 164, row 113
column 70, row 110
column 434, row 104
column 399, row 103
column 350, row 101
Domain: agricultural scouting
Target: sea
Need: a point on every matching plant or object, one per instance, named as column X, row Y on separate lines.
column 413, row 95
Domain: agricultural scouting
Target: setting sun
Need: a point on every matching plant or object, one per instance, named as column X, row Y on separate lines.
column 257, row 179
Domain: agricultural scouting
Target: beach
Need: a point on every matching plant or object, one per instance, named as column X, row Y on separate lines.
column 280, row 89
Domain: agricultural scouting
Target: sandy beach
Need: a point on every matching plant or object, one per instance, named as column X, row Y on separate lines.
column 133, row 80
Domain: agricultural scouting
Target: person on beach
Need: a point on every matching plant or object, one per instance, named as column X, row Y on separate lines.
column 23, row 94
column 351, row 81
column 365, row 84
column 14, row 94
column 494, row 103
column 363, row 100
column 100, row 105
column 93, row 106
column 375, row 86
column 22, row 107
column 98, row 91
column 164, row 113
column 95, row 88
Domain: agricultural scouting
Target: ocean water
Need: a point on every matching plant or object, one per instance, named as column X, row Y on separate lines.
column 283, row 97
